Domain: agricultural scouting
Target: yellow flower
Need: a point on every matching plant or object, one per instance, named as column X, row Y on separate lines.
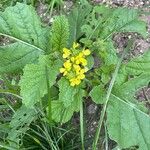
column 81, row 76
column 67, row 65
column 72, row 59
column 80, row 54
column 77, row 68
column 83, row 61
column 86, row 69
column 66, row 53
column 86, row 52
column 72, row 84
column 82, row 71
column 74, row 67
column 77, row 61
column 78, row 81
column 64, row 71
column 75, row 81
column 75, row 45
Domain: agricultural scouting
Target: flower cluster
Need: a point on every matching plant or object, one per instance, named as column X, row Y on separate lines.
column 74, row 67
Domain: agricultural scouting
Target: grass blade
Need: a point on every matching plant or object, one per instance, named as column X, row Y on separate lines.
column 98, row 130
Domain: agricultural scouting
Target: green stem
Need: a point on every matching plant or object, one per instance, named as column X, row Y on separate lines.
column 2, row 91
column 51, row 6
column 98, row 130
column 49, row 97
column 106, row 137
column 32, row 2
column 81, row 125
column 9, row 105
column 51, row 9
column 6, row 147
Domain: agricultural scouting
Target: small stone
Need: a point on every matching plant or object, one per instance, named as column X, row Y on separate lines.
column 92, row 109
column 51, row 20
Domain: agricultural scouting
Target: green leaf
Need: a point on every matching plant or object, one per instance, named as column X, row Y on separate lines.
column 111, row 57
column 4, row 128
column 60, row 33
column 123, row 20
column 139, row 65
column 20, row 124
column 127, row 125
column 67, row 92
column 90, row 61
column 77, row 18
column 61, row 113
column 103, row 11
column 78, row 99
column 33, row 82
column 127, row 90
column 21, row 24
column 126, row 117
column 97, row 94
column 103, row 22
column 116, row 148
column 23, row 116
column 4, row 4
column 15, row 56
column 95, row 20
column 106, row 51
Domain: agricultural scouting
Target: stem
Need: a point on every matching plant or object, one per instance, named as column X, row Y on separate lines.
column 98, row 130
column 106, row 137
column 2, row 91
column 94, row 30
column 6, row 147
column 49, row 114
column 81, row 125
column 51, row 8
column 10, row 106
